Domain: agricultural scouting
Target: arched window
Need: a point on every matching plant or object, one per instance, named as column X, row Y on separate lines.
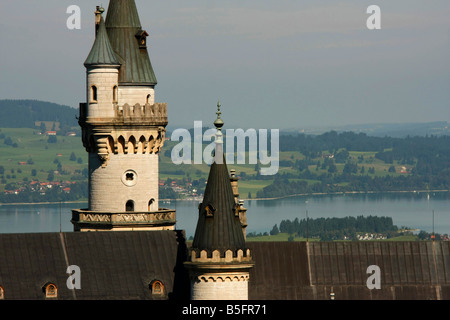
column 115, row 94
column 141, row 145
column 129, row 207
column 151, row 143
column 148, row 98
column 150, row 203
column 110, row 145
column 94, row 94
column 121, row 145
column 2, row 293
column 51, row 291
column 131, row 145
column 157, row 288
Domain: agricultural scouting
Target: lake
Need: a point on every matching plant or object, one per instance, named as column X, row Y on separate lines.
column 414, row 210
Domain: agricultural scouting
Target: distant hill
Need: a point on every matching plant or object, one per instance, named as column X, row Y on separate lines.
column 395, row 130
column 29, row 114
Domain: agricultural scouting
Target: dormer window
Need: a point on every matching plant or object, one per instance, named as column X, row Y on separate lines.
column 157, row 288
column 142, row 39
column 51, row 291
column 209, row 210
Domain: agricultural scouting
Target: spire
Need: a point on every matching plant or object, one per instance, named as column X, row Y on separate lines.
column 218, row 226
column 129, row 42
column 101, row 52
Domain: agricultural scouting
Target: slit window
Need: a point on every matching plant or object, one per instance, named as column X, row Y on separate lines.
column 115, row 94
column 94, row 93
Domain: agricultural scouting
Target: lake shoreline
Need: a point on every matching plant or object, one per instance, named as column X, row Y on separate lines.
column 253, row 199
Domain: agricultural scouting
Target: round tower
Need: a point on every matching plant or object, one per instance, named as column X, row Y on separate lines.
column 219, row 262
column 123, row 137
column 102, row 75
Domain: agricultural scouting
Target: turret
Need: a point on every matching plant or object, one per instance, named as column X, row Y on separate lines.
column 137, row 79
column 123, row 129
column 102, row 67
column 219, row 261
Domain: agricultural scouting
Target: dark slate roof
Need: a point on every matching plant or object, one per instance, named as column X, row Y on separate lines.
column 123, row 24
column 222, row 231
column 114, row 265
column 312, row 271
column 121, row 265
column 101, row 53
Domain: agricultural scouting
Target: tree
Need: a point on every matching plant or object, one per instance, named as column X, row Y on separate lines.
column 8, row 141
column 33, row 172
column 392, row 169
column 73, row 157
column 52, row 139
column 274, row 231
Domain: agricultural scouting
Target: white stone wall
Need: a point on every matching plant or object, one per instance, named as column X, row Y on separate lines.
column 109, row 190
column 223, row 287
column 104, row 79
column 136, row 94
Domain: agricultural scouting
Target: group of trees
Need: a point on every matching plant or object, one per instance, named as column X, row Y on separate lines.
column 78, row 191
column 428, row 157
column 25, row 114
column 336, row 228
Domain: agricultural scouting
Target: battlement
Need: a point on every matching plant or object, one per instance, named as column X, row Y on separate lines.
column 216, row 256
column 148, row 113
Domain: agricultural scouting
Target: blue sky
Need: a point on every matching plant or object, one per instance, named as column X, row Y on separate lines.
column 272, row 64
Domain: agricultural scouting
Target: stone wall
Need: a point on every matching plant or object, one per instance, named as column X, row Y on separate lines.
column 124, row 178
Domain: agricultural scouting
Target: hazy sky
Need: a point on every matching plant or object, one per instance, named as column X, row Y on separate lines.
column 272, row 64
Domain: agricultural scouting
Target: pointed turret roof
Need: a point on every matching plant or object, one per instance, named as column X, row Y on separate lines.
column 218, row 226
column 102, row 52
column 125, row 32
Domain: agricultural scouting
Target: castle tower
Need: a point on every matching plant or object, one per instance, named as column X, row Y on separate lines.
column 219, row 262
column 123, row 129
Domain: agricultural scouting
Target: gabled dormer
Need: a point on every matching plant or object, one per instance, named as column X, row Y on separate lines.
column 141, row 36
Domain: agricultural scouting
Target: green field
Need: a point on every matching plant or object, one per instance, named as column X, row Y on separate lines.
column 30, row 156
column 33, row 151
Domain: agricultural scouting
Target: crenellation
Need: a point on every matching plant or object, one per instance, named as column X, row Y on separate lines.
column 216, row 256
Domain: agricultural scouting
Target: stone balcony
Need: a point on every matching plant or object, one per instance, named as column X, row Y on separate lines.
column 85, row 220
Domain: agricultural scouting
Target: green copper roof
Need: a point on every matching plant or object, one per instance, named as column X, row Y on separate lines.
column 122, row 25
column 101, row 53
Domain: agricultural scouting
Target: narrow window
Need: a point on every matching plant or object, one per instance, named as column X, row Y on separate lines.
column 115, row 94
column 94, row 93
column 2, row 293
column 150, row 204
column 148, row 98
column 121, row 145
column 129, row 207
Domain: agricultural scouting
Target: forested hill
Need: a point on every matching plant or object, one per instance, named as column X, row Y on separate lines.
column 25, row 114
